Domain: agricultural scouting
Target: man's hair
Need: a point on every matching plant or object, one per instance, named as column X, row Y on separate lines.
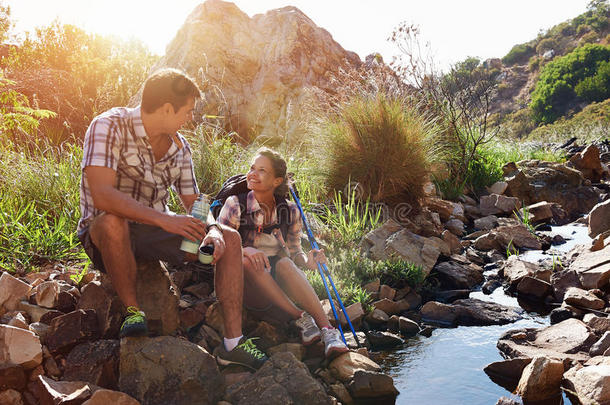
column 168, row 86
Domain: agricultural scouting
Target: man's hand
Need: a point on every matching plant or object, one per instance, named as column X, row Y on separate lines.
column 258, row 259
column 183, row 225
column 214, row 237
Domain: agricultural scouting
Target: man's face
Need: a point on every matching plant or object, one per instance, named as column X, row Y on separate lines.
column 176, row 119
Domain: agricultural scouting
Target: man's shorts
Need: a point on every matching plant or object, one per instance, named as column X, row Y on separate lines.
column 148, row 243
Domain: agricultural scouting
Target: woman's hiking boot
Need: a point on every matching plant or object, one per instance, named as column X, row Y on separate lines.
column 310, row 333
column 134, row 324
column 245, row 354
column 333, row 345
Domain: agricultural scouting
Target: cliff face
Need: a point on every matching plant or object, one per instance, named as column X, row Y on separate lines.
column 256, row 72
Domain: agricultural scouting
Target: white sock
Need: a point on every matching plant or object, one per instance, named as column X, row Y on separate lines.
column 231, row 343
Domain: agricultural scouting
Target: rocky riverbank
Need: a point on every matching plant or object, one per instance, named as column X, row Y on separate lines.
column 59, row 331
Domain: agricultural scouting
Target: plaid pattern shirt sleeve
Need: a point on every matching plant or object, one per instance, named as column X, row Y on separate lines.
column 230, row 213
column 293, row 238
column 186, row 183
column 102, row 145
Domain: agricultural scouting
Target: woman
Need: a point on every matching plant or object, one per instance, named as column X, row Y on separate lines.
column 271, row 262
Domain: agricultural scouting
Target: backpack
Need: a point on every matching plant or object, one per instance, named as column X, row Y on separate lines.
column 237, row 185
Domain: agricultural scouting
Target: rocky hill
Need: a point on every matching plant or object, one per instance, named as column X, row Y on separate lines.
column 257, row 71
column 521, row 67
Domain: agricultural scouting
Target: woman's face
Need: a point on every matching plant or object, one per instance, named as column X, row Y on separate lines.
column 261, row 176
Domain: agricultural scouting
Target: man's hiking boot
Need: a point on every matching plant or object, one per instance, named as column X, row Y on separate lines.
column 333, row 345
column 244, row 354
column 308, row 329
column 134, row 324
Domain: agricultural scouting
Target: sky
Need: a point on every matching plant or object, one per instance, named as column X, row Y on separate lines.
column 455, row 29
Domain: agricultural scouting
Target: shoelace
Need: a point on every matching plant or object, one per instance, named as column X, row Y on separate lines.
column 134, row 315
column 251, row 348
column 307, row 322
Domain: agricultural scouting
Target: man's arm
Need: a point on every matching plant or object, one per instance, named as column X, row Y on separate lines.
column 108, row 199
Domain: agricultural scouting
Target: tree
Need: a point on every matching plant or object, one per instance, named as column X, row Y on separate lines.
column 6, row 23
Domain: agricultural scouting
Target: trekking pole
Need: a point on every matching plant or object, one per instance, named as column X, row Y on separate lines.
column 323, row 269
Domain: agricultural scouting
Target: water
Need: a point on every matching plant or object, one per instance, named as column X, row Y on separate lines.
column 447, row 368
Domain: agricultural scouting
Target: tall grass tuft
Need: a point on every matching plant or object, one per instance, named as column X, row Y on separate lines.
column 381, row 143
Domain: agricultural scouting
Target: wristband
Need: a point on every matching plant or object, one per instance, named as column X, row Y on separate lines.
column 213, row 224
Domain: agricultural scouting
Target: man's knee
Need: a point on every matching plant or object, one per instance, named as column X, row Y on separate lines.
column 109, row 227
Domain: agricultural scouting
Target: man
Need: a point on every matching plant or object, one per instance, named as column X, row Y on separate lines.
column 131, row 157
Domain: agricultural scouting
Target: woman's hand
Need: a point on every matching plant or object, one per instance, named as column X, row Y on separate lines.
column 257, row 259
column 313, row 257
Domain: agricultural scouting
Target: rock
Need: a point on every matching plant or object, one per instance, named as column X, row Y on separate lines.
column 12, row 291
column 486, row 223
column 200, row 290
column 538, row 212
column 12, row 376
column 345, row 365
column 106, row 397
column 599, row 219
column 379, row 340
column 19, row 347
column 36, row 313
column 593, row 268
column 94, row 362
column 409, row 302
column 341, row 393
column 47, row 294
column 453, row 275
column 598, row 324
column 452, row 241
column 455, row 226
column 600, row 347
column 474, row 312
column 385, row 291
column 367, row 384
column 588, row 163
column 407, row 327
column 515, row 270
column 108, row 308
column 534, row 288
column 158, row 298
column 374, row 242
column 498, row 187
column 281, row 380
column 18, row 321
column 377, row 317
column 443, row 208
column 215, row 319
column 372, row 287
column 498, row 204
column 591, row 384
column 166, row 370
column 10, row 397
column 71, row 329
column 261, row 70
column 448, row 296
column 355, row 313
column 562, row 280
column 412, row 248
column 516, row 235
column 64, row 392
column 268, row 335
column 564, row 340
column 487, row 242
column 582, row 298
column 436, row 312
column 387, row 306
column 541, row 379
column 506, row 401
column 507, row 373
column 297, row 350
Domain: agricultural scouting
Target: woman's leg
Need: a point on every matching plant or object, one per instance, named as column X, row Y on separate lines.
column 294, row 282
column 266, row 287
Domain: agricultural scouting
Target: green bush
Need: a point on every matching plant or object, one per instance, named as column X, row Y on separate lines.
column 597, row 87
column 518, row 54
column 545, row 45
column 554, row 92
column 383, row 144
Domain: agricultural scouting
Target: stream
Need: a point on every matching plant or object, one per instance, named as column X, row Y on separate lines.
column 447, row 368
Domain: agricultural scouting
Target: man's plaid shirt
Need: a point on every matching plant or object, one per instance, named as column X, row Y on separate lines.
column 230, row 215
column 116, row 139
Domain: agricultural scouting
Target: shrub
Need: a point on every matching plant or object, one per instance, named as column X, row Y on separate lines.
column 588, row 38
column 383, row 144
column 518, row 54
column 554, row 92
column 534, row 63
column 545, row 45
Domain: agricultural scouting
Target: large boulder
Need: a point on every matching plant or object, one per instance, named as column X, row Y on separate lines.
column 281, row 380
column 474, row 312
column 12, row 291
column 588, row 163
column 453, row 275
column 541, row 380
column 590, row 384
column 370, row 385
column 599, row 219
column 345, row 366
column 593, row 268
column 167, row 370
column 108, row 308
column 536, row 181
column 158, row 298
column 583, row 298
column 257, row 71
column 94, row 362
